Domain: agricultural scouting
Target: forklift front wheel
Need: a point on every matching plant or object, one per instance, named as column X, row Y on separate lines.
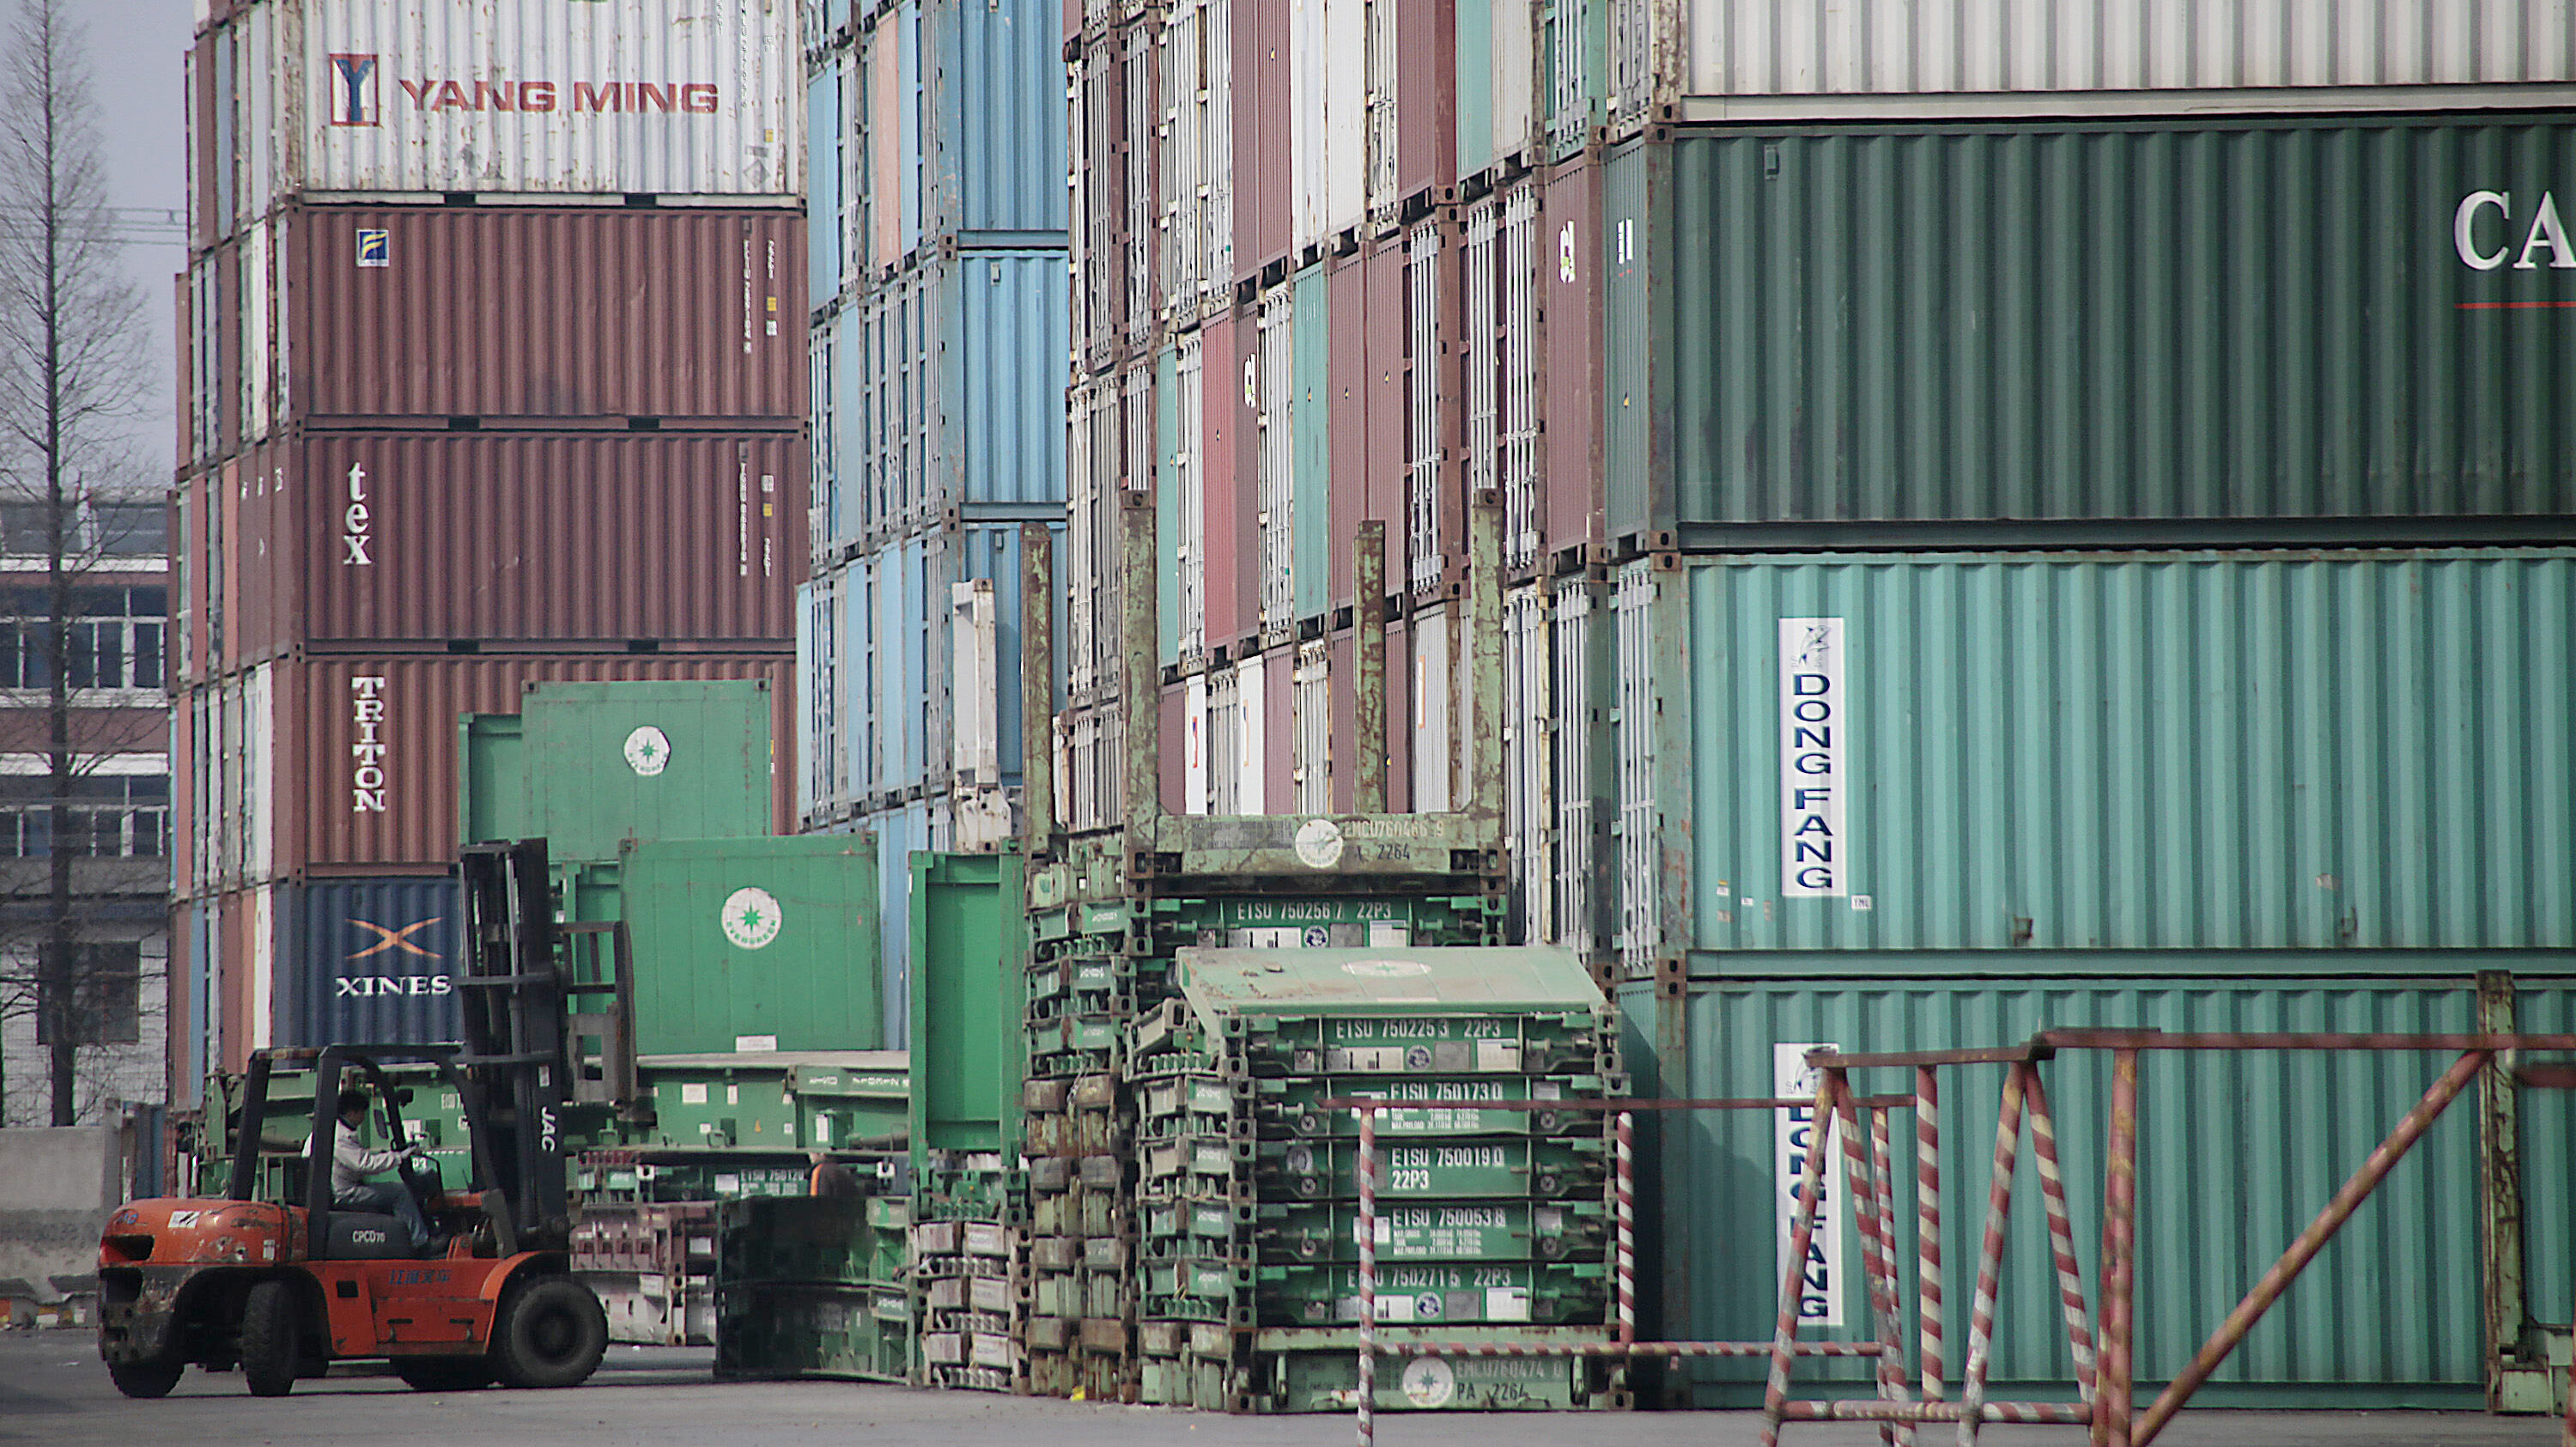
column 270, row 1343
column 551, row 1333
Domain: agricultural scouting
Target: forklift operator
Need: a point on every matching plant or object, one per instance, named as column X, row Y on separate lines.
column 352, row 1163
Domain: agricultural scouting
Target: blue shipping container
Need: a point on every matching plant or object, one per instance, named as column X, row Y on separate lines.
column 367, row 960
column 994, row 97
column 876, row 655
column 899, row 834
column 939, row 394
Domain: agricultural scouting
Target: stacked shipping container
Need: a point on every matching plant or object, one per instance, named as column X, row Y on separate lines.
column 1767, row 328
column 493, row 375
column 937, row 335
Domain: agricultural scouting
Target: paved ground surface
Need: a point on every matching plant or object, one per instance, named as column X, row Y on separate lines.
column 53, row 1391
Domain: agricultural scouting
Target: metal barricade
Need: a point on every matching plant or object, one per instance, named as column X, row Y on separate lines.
column 2103, row 1353
column 1624, row 1341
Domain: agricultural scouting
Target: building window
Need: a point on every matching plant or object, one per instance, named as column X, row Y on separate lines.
column 106, row 985
column 112, row 816
column 116, row 638
column 112, row 529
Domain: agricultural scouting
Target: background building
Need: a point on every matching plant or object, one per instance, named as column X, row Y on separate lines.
column 121, row 832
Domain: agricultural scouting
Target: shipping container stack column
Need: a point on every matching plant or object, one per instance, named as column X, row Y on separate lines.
column 937, row 333
column 2011, row 626
column 491, row 379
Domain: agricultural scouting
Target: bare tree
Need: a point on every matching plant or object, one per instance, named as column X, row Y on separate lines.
column 72, row 364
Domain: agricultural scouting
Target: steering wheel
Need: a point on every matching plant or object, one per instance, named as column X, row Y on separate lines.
column 420, row 1176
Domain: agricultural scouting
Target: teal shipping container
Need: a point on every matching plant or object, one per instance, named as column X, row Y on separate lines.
column 2237, row 1153
column 592, row 766
column 754, row 945
column 2204, row 330
column 1986, row 759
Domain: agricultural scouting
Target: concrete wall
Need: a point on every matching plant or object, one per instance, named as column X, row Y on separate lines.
column 56, row 1187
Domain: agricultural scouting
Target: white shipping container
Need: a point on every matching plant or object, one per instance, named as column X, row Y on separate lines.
column 601, row 98
column 1859, row 48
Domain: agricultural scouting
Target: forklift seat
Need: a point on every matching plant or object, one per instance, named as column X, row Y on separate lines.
column 366, row 1236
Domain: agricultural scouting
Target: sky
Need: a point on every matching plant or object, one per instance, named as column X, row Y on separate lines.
column 138, row 56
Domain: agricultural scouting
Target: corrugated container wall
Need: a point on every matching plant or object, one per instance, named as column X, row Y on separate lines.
column 652, row 97
column 2389, row 1315
column 704, row 984
column 1810, row 61
column 884, row 666
column 945, row 400
column 367, row 960
column 380, row 315
column 317, row 766
column 2028, row 753
column 693, row 540
column 934, row 123
column 2304, row 322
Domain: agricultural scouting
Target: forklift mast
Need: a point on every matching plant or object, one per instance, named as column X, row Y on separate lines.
column 517, row 1050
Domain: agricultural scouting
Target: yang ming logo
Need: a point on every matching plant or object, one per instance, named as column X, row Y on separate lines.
column 353, row 90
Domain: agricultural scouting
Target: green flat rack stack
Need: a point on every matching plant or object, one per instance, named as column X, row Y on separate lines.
column 1494, row 1224
column 811, row 1286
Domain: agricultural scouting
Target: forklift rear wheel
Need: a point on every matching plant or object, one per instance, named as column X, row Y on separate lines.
column 145, row 1379
column 551, row 1333
column 269, row 1340
column 443, row 1374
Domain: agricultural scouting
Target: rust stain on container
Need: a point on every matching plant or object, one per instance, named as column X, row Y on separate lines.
column 432, row 312
column 424, row 537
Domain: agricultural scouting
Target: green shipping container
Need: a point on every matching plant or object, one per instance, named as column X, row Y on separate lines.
column 754, row 944
column 591, row 766
column 2179, row 323
column 2237, row 1153
column 969, row 936
column 2033, row 753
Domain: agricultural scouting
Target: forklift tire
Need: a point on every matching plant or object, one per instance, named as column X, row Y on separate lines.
column 270, row 1344
column 145, row 1379
column 443, row 1374
column 551, row 1332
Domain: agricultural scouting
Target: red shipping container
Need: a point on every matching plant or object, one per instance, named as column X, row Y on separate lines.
column 1341, row 668
column 1426, row 97
column 1387, row 404
column 421, row 313
column 1571, row 298
column 513, row 538
column 1279, row 729
column 1263, row 178
column 1398, row 742
column 1228, row 534
column 1246, row 399
column 364, row 779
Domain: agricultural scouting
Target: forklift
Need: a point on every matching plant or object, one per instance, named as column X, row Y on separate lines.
column 281, row 1290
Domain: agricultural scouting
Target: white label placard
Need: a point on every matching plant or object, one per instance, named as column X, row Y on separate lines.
column 1815, row 853
column 1794, row 1133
